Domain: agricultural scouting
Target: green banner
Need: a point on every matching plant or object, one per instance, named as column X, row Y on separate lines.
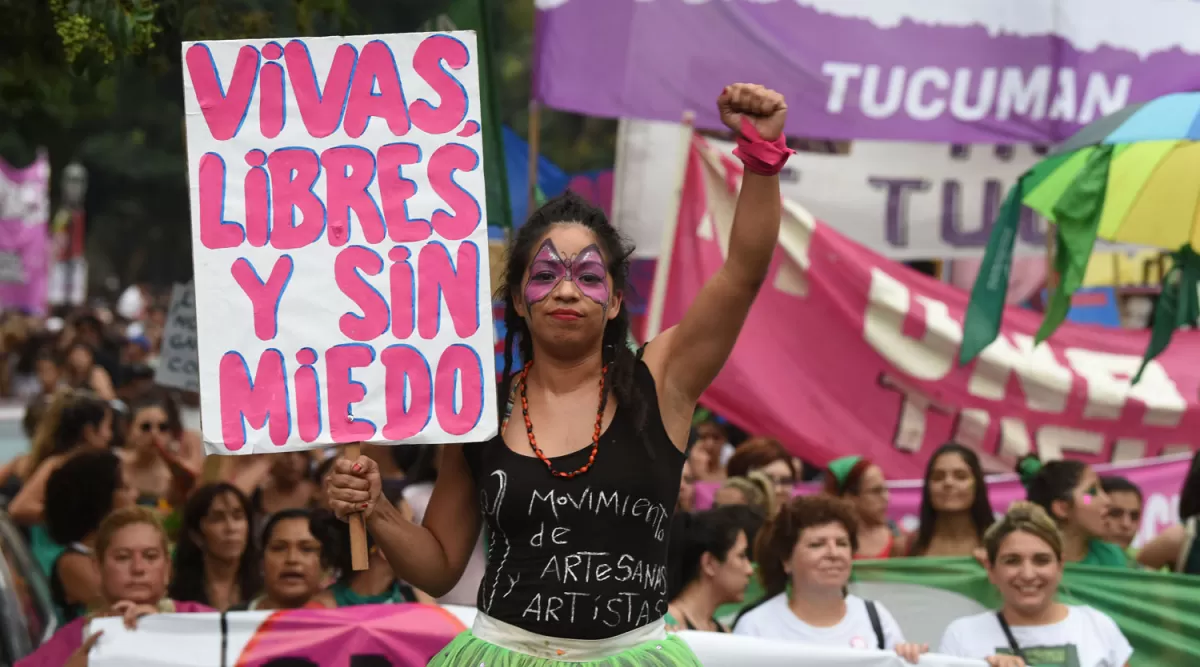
column 473, row 15
column 1159, row 613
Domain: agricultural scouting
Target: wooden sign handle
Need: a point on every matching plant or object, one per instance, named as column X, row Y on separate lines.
column 358, row 523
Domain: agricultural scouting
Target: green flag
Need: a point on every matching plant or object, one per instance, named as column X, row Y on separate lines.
column 986, row 308
column 1158, row 612
column 1077, row 214
column 1178, row 306
column 473, row 15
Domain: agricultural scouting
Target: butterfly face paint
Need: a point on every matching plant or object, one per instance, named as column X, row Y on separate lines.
column 549, row 268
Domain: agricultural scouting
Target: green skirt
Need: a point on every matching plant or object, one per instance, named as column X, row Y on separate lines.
column 467, row 649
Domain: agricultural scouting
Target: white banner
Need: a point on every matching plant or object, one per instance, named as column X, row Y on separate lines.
column 906, row 201
column 195, row 640
column 177, row 364
column 339, row 237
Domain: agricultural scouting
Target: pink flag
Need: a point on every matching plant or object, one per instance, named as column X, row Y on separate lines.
column 846, row 352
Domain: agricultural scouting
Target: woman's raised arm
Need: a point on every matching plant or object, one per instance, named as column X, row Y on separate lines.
column 689, row 355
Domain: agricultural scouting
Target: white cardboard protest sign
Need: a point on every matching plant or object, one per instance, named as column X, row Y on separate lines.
column 177, row 364
column 339, row 239
column 195, row 640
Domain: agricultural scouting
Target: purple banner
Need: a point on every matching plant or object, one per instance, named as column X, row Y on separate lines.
column 24, row 245
column 975, row 71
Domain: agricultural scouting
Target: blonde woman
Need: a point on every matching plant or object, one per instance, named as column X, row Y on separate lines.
column 131, row 557
column 1025, row 564
column 755, row 489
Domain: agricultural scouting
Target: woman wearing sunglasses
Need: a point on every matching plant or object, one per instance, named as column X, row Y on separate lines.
column 160, row 466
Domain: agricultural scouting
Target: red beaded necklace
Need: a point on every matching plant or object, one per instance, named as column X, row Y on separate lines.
column 595, row 433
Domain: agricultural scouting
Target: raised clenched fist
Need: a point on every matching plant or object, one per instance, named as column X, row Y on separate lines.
column 764, row 108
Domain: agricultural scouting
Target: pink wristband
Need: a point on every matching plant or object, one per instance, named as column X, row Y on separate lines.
column 760, row 156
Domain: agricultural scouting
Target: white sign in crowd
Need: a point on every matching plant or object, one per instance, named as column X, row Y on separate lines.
column 339, row 241
column 178, row 366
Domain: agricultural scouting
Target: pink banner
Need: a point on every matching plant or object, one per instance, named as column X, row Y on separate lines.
column 1160, row 481
column 847, row 352
column 408, row 634
column 24, row 241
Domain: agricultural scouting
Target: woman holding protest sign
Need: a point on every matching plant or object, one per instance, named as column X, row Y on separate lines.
column 1025, row 556
column 805, row 555
column 131, row 552
column 579, row 550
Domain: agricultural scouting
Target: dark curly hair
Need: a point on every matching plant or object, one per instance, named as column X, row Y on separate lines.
column 188, row 581
column 778, row 538
column 570, row 208
column 80, row 494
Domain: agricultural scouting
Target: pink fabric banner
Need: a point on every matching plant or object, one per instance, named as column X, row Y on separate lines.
column 409, row 634
column 24, row 240
column 1160, row 481
column 846, row 352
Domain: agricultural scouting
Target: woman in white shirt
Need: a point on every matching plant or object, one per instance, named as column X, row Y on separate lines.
column 1025, row 563
column 804, row 556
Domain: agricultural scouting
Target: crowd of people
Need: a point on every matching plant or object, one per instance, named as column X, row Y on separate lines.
column 124, row 514
column 127, row 517
column 760, row 562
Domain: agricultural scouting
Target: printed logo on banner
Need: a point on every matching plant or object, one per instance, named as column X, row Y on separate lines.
column 342, row 293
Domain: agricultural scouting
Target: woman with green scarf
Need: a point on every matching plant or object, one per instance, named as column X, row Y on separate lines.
column 861, row 482
column 1071, row 494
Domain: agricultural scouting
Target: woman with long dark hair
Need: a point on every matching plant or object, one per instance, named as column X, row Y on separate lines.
column 597, row 466
column 75, row 419
column 955, row 508
column 1071, row 494
column 79, row 494
column 297, row 550
column 713, row 569
column 216, row 561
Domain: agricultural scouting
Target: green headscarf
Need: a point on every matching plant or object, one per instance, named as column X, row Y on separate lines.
column 840, row 469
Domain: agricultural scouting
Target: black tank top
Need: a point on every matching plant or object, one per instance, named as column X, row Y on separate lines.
column 582, row 558
column 58, row 593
